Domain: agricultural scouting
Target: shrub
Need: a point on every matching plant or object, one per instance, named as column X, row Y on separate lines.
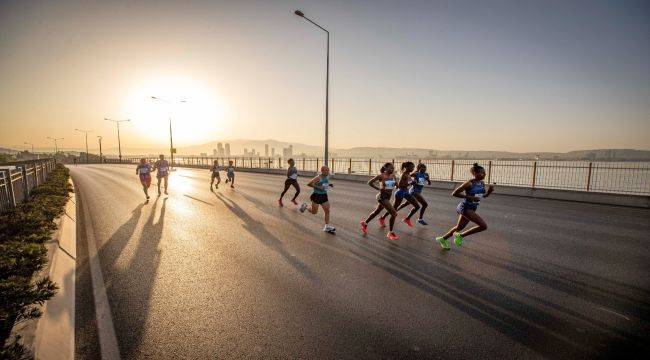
column 23, row 232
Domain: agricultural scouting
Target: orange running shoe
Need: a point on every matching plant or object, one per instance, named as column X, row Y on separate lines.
column 364, row 227
column 382, row 222
column 408, row 222
column 392, row 236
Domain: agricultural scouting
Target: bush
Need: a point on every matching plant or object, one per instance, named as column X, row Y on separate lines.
column 23, row 232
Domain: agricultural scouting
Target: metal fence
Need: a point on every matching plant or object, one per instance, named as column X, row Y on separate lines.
column 608, row 177
column 17, row 179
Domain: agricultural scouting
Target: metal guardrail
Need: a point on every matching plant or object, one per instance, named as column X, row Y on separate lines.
column 608, row 177
column 18, row 179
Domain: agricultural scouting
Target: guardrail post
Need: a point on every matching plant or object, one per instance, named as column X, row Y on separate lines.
column 317, row 161
column 589, row 177
column 453, row 162
column 370, row 166
column 350, row 167
column 332, row 171
column 534, row 173
column 489, row 174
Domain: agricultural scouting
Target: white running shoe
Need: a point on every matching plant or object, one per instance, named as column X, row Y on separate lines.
column 303, row 207
column 329, row 229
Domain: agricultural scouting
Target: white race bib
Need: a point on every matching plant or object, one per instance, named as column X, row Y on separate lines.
column 421, row 181
column 389, row 184
column 143, row 171
column 294, row 176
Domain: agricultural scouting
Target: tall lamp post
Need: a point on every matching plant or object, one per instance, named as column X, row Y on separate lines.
column 327, row 82
column 86, row 133
column 171, row 141
column 56, row 147
column 26, row 143
column 119, row 144
column 101, row 158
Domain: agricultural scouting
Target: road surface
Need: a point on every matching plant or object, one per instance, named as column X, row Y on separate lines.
column 228, row 274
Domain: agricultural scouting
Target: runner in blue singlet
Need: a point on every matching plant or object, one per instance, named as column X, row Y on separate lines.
column 474, row 190
column 162, row 171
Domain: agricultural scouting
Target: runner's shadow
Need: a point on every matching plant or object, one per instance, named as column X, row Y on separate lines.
column 258, row 230
column 131, row 287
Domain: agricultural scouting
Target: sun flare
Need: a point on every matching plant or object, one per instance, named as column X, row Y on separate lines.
column 198, row 118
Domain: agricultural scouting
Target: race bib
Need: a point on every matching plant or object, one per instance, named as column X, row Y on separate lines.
column 389, row 184
column 162, row 168
column 421, row 181
column 294, row 176
column 143, row 171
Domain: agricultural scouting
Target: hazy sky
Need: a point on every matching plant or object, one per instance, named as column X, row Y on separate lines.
column 468, row 75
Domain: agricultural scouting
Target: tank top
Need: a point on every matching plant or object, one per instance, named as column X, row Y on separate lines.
column 324, row 182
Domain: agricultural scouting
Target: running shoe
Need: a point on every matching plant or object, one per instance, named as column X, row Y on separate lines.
column 443, row 243
column 294, row 201
column 408, row 222
column 280, row 202
column 422, row 222
column 329, row 229
column 392, row 236
column 382, row 222
column 303, row 207
column 458, row 239
column 364, row 227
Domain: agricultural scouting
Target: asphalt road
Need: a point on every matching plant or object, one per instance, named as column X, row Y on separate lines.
column 228, row 274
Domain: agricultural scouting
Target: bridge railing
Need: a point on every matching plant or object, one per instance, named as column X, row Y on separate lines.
column 608, row 177
column 18, row 179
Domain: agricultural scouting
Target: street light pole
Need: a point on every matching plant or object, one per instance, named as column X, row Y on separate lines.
column 327, row 83
column 119, row 143
column 86, row 133
column 171, row 140
column 56, row 148
column 26, row 143
column 101, row 161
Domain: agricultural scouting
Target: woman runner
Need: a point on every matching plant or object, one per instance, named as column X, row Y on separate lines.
column 143, row 170
column 162, row 171
column 320, row 183
column 420, row 177
column 215, row 174
column 387, row 181
column 403, row 193
column 474, row 190
column 230, row 174
column 292, row 180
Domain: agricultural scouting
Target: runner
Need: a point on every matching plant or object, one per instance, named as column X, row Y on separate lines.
column 387, row 182
column 403, row 193
column 420, row 177
column 474, row 190
column 230, row 174
column 292, row 180
column 320, row 183
column 162, row 171
column 215, row 174
column 143, row 170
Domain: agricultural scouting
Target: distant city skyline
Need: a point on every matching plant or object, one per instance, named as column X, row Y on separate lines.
column 499, row 75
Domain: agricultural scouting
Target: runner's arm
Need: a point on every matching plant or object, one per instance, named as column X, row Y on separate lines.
column 458, row 191
column 372, row 182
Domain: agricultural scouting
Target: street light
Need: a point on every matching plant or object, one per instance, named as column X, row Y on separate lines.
column 56, row 148
column 327, row 81
column 171, row 141
column 26, row 143
column 85, row 132
column 119, row 144
column 100, row 149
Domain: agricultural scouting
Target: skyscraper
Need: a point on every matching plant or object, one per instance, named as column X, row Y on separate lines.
column 220, row 149
column 266, row 150
column 227, row 150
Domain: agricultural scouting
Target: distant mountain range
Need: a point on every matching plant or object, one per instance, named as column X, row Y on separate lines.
column 237, row 147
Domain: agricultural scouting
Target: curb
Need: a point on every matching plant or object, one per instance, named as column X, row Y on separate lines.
column 52, row 335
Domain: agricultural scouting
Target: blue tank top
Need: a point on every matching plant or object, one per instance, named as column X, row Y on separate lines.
column 478, row 187
column 420, row 180
column 324, row 182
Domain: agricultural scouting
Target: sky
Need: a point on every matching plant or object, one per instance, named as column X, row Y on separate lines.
column 450, row 75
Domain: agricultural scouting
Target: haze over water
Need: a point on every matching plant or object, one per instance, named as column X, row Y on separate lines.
column 466, row 75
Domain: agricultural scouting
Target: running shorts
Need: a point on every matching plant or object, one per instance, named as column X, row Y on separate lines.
column 318, row 198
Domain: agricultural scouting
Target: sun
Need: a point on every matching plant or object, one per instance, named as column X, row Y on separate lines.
column 199, row 118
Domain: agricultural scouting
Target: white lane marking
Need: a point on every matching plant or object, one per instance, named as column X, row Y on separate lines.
column 105, row 329
column 614, row 312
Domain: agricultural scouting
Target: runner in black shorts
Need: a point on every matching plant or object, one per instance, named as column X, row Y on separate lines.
column 215, row 174
column 319, row 197
column 292, row 180
column 387, row 182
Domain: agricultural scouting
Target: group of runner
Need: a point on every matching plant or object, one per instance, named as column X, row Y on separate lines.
column 408, row 184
